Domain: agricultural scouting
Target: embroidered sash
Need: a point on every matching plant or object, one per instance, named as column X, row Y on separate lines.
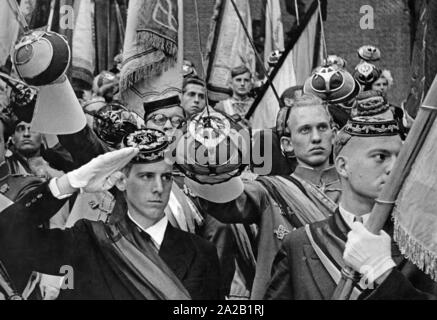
column 144, row 269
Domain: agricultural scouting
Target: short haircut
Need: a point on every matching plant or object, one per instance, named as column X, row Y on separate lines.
column 309, row 100
column 235, row 72
column 192, row 80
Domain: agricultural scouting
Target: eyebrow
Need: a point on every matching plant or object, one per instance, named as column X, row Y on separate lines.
column 313, row 125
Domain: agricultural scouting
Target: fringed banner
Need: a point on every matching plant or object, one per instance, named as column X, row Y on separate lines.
column 296, row 64
column 228, row 46
column 151, row 52
column 415, row 214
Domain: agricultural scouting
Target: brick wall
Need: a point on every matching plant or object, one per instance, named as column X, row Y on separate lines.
column 391, row 35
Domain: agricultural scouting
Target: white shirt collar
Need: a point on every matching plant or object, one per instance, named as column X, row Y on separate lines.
column 156, row 232
column 349, row 217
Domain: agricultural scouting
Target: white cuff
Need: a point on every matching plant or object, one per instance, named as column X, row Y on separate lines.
column 53, row 186
column 371, row 274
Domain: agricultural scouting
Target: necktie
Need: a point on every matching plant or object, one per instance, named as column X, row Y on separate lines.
column 149, row 240
column 358, row 219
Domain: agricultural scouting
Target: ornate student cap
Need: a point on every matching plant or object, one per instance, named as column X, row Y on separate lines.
column 152, row 144
column 371, row 127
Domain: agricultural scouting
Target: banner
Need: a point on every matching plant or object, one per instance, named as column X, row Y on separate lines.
column 84, row 53
column 424, row 53
column 228, row 47
column 153, row 52
column 274, row 39
column 9, row 28
column 415, row 217
column 294, row 67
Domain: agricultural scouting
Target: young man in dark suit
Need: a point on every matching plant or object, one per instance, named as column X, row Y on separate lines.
column 309, row 264
column 139, row 257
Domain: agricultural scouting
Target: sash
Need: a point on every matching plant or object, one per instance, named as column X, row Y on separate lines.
column 329, row 248
column 318, row 197
column 296, row 201
column 143, row 269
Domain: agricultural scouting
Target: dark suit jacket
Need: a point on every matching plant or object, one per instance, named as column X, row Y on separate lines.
column 298, row 273
column 24, row 247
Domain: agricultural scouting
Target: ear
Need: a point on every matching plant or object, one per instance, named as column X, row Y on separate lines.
column 334, row 134
column 286, row 145
column 121, row 182
column 341, row 165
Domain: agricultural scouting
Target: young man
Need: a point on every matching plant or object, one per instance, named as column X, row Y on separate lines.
column 140, row 257
column 193, row 99
column 239, row 104
column 279, row 204
column 366, row 150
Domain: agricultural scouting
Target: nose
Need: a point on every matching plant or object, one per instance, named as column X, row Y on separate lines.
column 196, row 98
column 391, row 164
column 168, row 125
column 27, row 132
column 157, row 187
column 315, row 136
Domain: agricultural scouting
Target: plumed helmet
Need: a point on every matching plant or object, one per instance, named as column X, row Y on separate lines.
column 213, row 148
column 113, row 122
column 366, row 73
column 332, row 84
column 41, row 58
column 369, row 53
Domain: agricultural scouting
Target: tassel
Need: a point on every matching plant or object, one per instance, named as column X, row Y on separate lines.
column 147, row 39
column 138, row 71
column 413, row 250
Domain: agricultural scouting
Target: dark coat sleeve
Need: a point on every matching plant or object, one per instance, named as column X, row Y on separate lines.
column 398, row 287
column 83, row 146
column 280, row 287
column 246, row 208
column 24, row 246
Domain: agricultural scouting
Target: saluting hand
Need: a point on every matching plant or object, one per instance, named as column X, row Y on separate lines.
column 101, row 173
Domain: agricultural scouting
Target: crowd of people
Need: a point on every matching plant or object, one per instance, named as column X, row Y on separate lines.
column 107, row 201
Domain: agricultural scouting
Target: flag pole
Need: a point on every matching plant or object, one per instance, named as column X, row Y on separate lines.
column 13, row 4
column 269, row 80
column 386, row 201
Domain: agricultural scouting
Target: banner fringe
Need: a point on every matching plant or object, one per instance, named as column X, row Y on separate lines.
column 413, row 250
column 137, row 70
column 147, row 39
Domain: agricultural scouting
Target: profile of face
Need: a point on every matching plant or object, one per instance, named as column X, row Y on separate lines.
column 167, row 120
column 242, row 84
column 147, row 187
column 193, row 99
column 366, row 162
column 311, row 136
column 26, row 141
column 380, row 85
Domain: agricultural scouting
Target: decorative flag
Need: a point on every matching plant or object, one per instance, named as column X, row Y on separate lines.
column 415, row 215
column 84, row 53
column 274, row 39
column 9, row 28
column 228, row 46
column 153, row 52
column 295, row 66
column 424, row 54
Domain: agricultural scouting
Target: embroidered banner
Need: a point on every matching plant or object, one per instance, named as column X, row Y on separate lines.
column 152, row 52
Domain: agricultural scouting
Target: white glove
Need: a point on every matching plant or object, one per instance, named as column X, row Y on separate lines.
column 101, row 173
column 368, row 254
